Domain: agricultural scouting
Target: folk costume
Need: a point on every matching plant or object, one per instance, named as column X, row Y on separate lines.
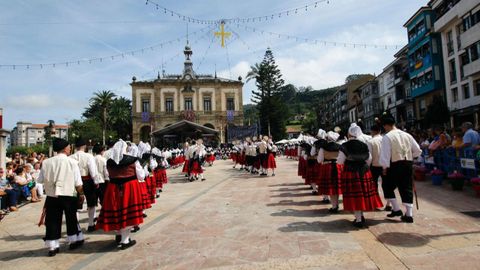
column 123, row 205
column 329, row 180
column 270, row 163
column 398, row 151
column 360, row 193
column 263, row 155
column 88, row 171
column 160, row 171
column 102, row 174
column 62, row 181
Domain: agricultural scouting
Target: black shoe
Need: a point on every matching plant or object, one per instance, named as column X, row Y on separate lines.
column 273, row 174
column 357, row 224
column 52, row 253
column 203, row 179
column 314, row 192
column 145, row 215
column 157, row 196
column 326, row 201
column 388, row 208
column 407, row 219
column 91, row 228
column 76, row 245
column 118, row 239
column 160, row 190
column 135, row 229
column 129, row 244
column 333, row 210
column 398, row 213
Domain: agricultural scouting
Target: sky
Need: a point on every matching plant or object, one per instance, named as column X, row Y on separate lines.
column 54, row 31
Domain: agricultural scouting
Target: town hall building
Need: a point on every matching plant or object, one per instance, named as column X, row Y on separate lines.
column 171, row 108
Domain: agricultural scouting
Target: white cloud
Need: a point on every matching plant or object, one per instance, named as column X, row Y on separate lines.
column 31, row 101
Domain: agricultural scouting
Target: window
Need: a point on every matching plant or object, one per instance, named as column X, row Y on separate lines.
column 207, row 104
column 188, row 104
column 466, row 91
column 453, row 71
column 450, row 42
column 145, row 105
column 476, row 87
column 474, row 51
column 169, row 105
column 423, row 106
column 455, row 94
column 230, row 104
column 463, row 61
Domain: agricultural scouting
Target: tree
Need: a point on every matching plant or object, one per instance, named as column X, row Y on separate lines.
column 48, row 131
column 268, row 96
column 120, row 117
column 100, row 104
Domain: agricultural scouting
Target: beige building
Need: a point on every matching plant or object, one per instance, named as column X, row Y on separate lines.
column 198, row 105
column 28, row 134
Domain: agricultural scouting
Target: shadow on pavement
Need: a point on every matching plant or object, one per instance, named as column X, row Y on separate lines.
column 413, row 239
column 291, row 194
column 294, row 203
column 87, row 248
column 291, row 189
column 287, row 185
column 22, row 237
column 301, row 213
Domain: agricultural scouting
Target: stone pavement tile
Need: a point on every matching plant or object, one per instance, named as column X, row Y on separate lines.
column 313, row 247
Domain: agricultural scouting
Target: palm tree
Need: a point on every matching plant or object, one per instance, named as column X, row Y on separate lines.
column 104, row 100
column 121, row 116
column 253, row 73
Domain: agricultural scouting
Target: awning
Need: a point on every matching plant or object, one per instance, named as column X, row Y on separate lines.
column 184, row 126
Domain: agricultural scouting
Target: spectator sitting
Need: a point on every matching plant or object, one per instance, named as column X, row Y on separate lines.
column 35, row 174
column 8, row 195
column 24, row 185
column 471, row 138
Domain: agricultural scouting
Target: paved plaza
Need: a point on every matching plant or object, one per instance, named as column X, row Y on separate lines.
column 238, row 221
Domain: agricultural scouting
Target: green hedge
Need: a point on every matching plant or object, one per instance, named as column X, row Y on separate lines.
column 27, row 150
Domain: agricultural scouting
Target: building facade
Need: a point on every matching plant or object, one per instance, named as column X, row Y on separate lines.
column 458, row 23
column 28, row 134
column 205, row 100
column 424, row 60
column 370, row 103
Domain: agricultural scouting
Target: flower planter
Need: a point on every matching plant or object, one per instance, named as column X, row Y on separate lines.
column 477, row 190
column 457, row 180
column 420, row 173
column 437, row 177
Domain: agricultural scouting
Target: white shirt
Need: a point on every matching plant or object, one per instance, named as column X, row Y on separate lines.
column 374, row 147
column 87, row 165
column 60, row 175
column 101, row 165
column 404, row 148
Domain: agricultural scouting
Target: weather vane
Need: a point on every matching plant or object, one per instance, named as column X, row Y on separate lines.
column 222, row 34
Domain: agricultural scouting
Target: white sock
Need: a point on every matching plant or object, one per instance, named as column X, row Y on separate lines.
column 408, row 209
column 395, row 205
column 72, row 239
column 125, row 235
column 52, row 244
column 201, row 175
column 91, row 216
column 358, row 216
column 325, row 197
column 334, row 199
column 314, row 187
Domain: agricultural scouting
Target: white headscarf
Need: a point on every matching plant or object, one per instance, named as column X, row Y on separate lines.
column 133, row 150
column 355, row 130
column 321, row 134
column 156, row 152
column 143, row 148
column 332, row 136
column 118, row 150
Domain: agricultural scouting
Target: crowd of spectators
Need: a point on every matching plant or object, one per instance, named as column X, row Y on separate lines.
column 18, row 182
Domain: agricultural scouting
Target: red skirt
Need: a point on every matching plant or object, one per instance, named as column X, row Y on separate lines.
column 151, row 187
column 210, row 158
column 145, row 195
column 233, row 157
column 241, row 159
column 161, row 177
column 359, row 193
column 312, row 172
column 122, row 207
column 270, row 162
column 328, row 183
column 302, row 163
column 185, row 166
column 196, row 167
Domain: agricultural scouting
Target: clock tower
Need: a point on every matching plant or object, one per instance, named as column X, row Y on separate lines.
column 188, row 73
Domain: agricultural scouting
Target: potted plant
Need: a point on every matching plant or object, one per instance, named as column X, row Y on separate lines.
column 457, row 180
column 476, row 185
column 420, row 173
column 437, row 177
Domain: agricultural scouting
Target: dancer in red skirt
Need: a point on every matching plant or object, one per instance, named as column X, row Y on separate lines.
column 186, row 163
column 330, row 171
column 160, row 171
column 123, row 206
column 270, row 163
column 210, row 156
column 360, row 193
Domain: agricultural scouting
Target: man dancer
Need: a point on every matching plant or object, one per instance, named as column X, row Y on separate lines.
column 101, row 164
column 398, row 151
column 262, row 149
column 61, row 178
column 88, row 171
column 374, row 147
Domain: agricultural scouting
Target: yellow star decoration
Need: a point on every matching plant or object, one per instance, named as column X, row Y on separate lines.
column 222, row 34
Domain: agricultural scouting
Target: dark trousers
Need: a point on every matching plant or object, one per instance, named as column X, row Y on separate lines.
column 100, row 191
column 90, row 190
column 54, row 209
column 10, row 199
column 376, row 173
column 399, row 175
